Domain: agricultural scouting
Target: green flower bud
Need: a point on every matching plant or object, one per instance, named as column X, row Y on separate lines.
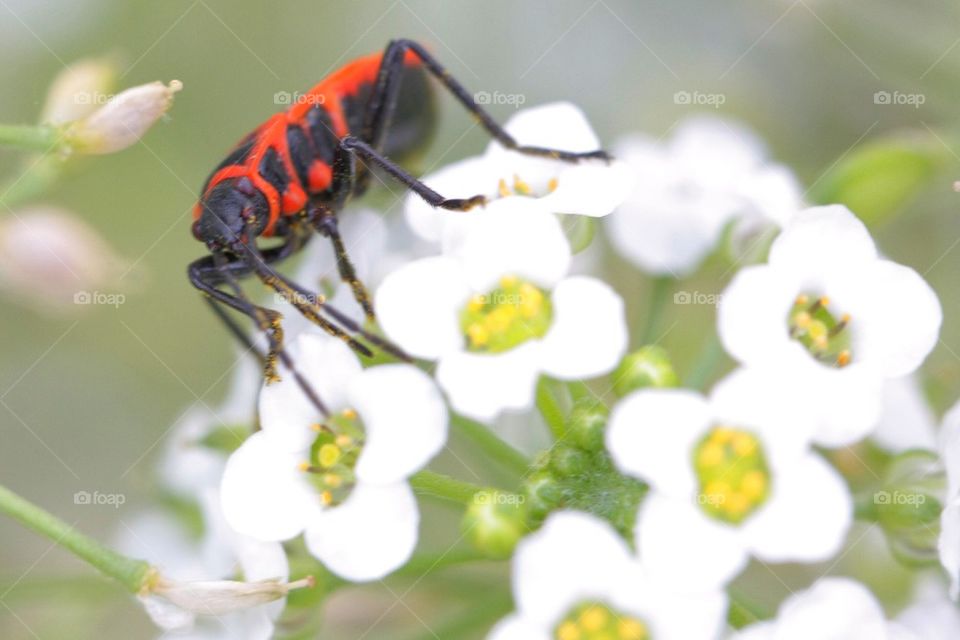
column 568, row 461
column 586, row 423
column 543, row 493
column 649, row 366
column 495, row 521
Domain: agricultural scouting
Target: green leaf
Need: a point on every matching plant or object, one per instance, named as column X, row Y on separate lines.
column 878, row 179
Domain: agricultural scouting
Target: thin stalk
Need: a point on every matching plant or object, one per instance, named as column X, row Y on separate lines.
column 550, row 409
column 429, row 483
column 659, row 294
column 29, row 137
column 491, row 444
column 132, row 574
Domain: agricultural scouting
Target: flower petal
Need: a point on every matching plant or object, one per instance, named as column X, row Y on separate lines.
column 906, row 421
column 481, row 386
column 263, row 493
column 832, row 608
column 405, row 419
column 371, row 534
column 807, row 517
column 651, row 435
column 682, row 547
column 752, row 318
column 327, row 365
column 515, row 627
column 900, row 321
column 509, row 239
column 826, row 240
column 418, row 306
column 589, row 331
column 574, row 557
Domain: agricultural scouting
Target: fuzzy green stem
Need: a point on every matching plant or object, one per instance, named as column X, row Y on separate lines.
column 660, row 291
column 491, row 444
column 550, row 409
column 132, row 574
column 29, row 137
column 429, row 483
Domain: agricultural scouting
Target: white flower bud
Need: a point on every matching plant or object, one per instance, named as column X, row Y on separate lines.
column 79, row 90
column 48, row 256
column 123, row 120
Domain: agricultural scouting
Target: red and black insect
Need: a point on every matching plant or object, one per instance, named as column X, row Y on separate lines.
column 293, row 175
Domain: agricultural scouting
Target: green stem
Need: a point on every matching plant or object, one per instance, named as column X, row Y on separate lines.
column 424, row 563
column 550, row 409
column 708, row 360
column 659, row 293
column 38, row 177
column 491, row 444
column 132, row 574
column 429, row 483
column 29, row 137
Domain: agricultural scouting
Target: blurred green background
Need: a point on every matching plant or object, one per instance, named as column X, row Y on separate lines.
column 86, row 399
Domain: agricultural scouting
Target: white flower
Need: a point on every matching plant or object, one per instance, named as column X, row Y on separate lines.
column 341, row 479
column 588, row 187
column 123, row 120
column 77, row 90
column 576, row 578
column 831, row 320
column 188, row 585
column 498, row 309
column 931, row 616
column 730, row 476
column 832, row 609
column 906, row 419
column 949, row 545
column 710, row 173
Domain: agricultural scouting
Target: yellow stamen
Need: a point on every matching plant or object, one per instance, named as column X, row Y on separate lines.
column 478, row 335
column 349, row 414
column 552, row 185
column 304, row 466
column 844, row 358
column 476, row 303
column 326, row 498
column 744, row 444
column 754, row 484
column 503, row 189
column 630, row 629
column 593, row 618
column 332, row 480
column 711, row 455
column 521, row 187
column 568, row 631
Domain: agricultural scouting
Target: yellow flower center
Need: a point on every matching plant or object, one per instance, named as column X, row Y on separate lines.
column 823, row 334
column 520, row 187
column 732, row 472
column 595, row 621
column 506, row 317
column 333, row 456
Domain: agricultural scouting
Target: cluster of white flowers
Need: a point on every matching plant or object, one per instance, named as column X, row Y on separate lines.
column 826, row 336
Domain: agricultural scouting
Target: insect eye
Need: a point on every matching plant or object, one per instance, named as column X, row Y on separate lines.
column 195, row 228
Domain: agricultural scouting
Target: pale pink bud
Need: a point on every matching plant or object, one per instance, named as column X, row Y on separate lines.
column 49, row 257
column 79, row 90
column 123, row 120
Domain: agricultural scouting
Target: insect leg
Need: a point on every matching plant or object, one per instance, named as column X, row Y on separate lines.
column 384, row 98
